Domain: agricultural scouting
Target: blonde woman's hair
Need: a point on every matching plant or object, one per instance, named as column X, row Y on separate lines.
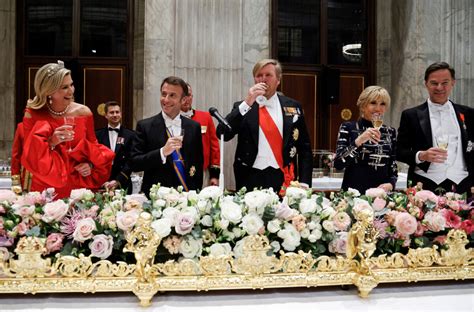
column 48, row 79
column 373, row 93
column 264, row 63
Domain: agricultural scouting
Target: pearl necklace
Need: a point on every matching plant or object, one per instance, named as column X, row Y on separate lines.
column 61, row 113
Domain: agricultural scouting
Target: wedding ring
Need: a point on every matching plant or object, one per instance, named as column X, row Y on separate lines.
column 373, row 136
column 62, row 137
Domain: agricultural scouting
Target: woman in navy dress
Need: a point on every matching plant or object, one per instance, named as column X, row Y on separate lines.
column 367, row 152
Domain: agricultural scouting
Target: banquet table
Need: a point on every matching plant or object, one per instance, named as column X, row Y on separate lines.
column 334, row 184
column 5, row 183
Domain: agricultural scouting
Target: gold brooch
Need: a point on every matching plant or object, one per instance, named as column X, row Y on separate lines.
column 296, row 134
column 192, row 171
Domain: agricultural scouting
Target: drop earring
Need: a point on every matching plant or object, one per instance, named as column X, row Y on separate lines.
column 50, row 100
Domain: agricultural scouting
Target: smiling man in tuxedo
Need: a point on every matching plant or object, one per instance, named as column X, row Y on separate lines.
column 273, row 146
column 161, row 150
column 448, row 164
column 119, row 139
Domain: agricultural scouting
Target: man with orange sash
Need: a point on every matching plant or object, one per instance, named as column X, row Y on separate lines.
column 167, row 146
column 273, row 145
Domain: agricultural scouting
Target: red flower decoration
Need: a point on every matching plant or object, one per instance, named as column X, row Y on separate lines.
column 461, row 116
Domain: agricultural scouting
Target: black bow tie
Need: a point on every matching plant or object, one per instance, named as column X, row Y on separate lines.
column 114, row 129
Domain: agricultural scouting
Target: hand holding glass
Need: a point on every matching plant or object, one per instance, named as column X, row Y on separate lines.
column 442, row 141
column 377, row 120
column 71, row 122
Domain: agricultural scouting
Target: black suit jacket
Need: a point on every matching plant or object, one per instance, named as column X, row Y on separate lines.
column 150, row 138
column 121, row 167
column 415, row 135
column 295, row 139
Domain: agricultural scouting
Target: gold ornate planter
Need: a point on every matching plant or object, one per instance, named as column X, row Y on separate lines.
column 31, row 273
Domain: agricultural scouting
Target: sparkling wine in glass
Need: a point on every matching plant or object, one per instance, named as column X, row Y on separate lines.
column 262, row 100
column 442, row 141
column 377, row 120
column 71, row 122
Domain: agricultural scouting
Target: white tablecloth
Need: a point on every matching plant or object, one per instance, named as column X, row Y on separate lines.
column 5, row 183
column 327, row 184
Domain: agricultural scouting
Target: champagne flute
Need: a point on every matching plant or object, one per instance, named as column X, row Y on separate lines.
column 377, row 120
column 442, row 141
column 71, row 122
column 262, row 100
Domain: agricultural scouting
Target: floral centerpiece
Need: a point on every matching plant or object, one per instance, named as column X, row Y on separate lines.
column 210, row 222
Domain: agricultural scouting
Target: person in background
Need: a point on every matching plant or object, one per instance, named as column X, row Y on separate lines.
column 119, row 139
column 436, row 138
column 273, row 146
column 60, row 148
column 210, row 143
column 366, row 148
column 167, row 146
column 21, row 178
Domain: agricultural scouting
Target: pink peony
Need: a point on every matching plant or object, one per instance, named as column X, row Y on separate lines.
column 54, row 242
column 84, row 229
column 405, row 223
column 101, row 246
column 378, row 204
column 7, row 195
column 434, row 221
column 299, row 222
column 55, row 211
column 425, row 196
column 376, row 192
column 184, row 223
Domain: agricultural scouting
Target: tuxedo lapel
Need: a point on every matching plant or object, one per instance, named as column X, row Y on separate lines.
column 104, row 137
column 253, row 122
column 425, row 124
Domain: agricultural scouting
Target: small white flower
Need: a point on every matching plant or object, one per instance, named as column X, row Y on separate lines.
column 274, row 226
column 162, row 227
column 353, row 192
column 328, row 226
column 231, row 211
column 275, row 246
column 212, row 192
column 206, row 220
column 218, row 249
column 252, row 223
column 291, row 237
column 307, row 206
column 305, row 233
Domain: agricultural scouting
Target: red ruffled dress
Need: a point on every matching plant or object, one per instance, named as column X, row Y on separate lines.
column 55, row 168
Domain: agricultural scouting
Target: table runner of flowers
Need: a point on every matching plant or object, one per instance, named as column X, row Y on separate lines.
column 210, row 222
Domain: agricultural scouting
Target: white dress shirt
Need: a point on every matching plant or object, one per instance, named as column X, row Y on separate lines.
column 174, row 127
column 113, row 135
column 444, row 121
column 265, row 157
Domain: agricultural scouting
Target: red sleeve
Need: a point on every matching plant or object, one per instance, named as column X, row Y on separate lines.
column 17, row 148
column 215, row 151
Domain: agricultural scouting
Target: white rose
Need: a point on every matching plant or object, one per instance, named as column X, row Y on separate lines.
column 159, row 203
column 239, row 248
column 212, row 192
column 353, row 192
column 291, row 237
column 156, row 213
column 82, row 194
column 328, row 226
column 126, row 220
column 294, row 194
column 206, row 221
column 141, row 198
column 162, row 191
column 192, row 196
column 326, row 203
column 162, row 227
column 204, row 206
column 116, row 205
column 170, row 213
column 305, row 233
column 101, row 246
column 231, row 211
column 328, row 212
column 190, row 247
column 307, row 206
column 274, row 226
column 222, row 224
column 252, row 223
column 315, row 235
column 238, row 232
column 256, row 201
column 84, row 229
column 192, row 211
column 218, row 249
column 54, row 211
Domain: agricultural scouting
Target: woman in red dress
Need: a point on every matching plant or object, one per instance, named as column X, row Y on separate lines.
column 60, row 148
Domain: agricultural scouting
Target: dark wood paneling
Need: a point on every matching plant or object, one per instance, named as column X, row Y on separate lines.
column 350, row 88
column 102, row 84
column 302, row 87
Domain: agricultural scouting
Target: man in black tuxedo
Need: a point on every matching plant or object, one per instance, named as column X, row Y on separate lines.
column 165, row 153
column 119, row 139
column 272, row 134
column 436, row 138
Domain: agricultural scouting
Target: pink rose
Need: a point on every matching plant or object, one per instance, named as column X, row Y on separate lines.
column 284, row 212
column 378, row 204
column 54, row 242
column 126, row 220
column 7, row 195
column 435, row 221
column 376, row 192
column 33, row 198
column 23, row 210
column 184, row 223
column 91, row 212
column 101, row 246
column 341, row 221
column 84, row 229
column 339, row 244
column 405, row 223
column 55, row 211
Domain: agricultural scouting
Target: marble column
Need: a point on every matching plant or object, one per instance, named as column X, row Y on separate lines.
column 412, row 34
column 7, row 76
column 212, row 44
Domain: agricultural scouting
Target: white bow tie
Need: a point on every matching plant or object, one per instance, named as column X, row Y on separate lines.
column 173, row 123
column 441, row 108
column 188, row 114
